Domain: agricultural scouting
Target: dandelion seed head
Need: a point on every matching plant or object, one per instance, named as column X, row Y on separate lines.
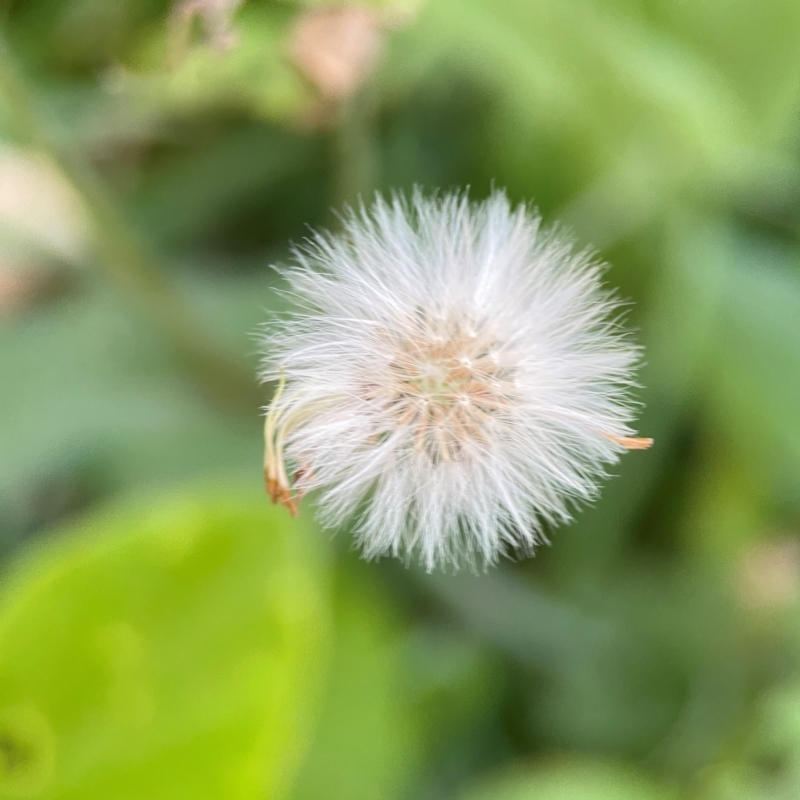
column 455, row 379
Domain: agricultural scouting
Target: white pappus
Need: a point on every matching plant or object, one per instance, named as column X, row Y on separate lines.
column 454, row 379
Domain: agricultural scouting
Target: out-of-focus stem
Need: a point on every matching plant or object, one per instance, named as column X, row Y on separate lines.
column 123, row 255
column 356, row 158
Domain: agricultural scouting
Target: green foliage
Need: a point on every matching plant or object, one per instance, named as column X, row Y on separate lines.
column 568, row 780
column 367, row 744
column 396, row 699
column 166, row 651
column 254, row 74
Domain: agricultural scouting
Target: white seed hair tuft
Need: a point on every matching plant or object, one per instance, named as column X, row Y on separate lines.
column 454, row 379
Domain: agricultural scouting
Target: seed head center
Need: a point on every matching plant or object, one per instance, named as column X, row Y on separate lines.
column 448, row 389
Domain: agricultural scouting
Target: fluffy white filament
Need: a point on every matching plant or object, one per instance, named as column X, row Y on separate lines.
column 452, row 380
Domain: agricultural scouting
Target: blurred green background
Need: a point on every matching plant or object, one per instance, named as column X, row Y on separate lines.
column 164, row 633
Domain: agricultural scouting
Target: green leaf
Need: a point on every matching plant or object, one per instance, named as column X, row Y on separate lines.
column 768, row 766
column 168, row 651
column 570, row 780
column 87, row 392
column 754, row 379
column 367, row 744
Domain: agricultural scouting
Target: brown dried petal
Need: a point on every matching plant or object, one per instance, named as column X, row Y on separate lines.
column 337, row 49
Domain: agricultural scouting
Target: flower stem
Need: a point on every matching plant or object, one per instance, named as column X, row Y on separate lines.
column 356, row 157
column 122, row 254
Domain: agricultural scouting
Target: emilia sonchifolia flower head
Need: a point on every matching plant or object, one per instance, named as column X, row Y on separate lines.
column 454, row 379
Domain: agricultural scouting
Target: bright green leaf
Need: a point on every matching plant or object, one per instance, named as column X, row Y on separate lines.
column 162, row 653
